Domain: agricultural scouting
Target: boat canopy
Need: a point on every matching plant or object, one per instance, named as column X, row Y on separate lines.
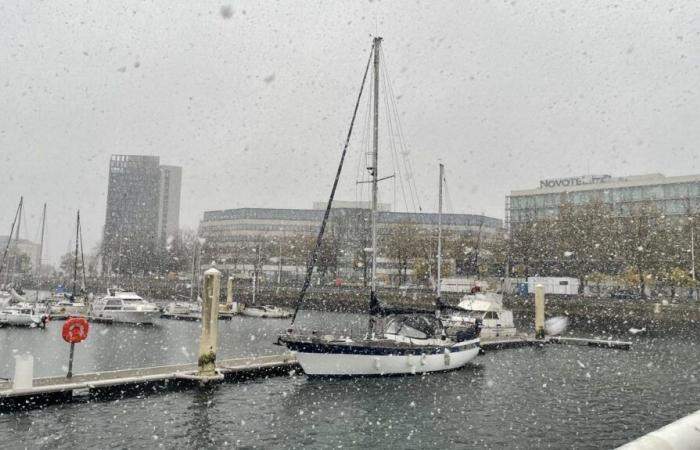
column 414, row 326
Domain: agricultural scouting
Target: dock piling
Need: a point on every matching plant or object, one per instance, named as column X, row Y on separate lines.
column 539, row 311
column 24, row 372
column 209, row 341
column 231, row 306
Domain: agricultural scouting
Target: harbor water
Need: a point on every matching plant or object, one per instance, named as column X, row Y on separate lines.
column 555, row 396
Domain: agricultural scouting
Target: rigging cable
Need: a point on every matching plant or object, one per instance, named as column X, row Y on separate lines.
column 390, row 126
column 312, row 260
column 407, row 162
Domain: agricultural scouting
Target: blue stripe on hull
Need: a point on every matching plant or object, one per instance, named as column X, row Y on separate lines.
column 358, row 349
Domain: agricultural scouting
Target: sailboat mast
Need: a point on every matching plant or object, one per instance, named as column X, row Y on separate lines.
column 439, row 246
column 75, row 258
column 9, row 242
column 41, row 251
column 375, row 158
column 15, row 249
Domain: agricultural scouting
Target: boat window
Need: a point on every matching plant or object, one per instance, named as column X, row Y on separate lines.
column 114, row 302
column 412, row 332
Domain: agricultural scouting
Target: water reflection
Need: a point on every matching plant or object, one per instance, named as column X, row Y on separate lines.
column 199, row 429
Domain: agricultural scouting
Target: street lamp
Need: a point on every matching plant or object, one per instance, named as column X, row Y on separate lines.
column 692, row 257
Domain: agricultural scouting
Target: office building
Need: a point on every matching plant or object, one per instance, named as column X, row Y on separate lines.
column 143, row 207
column 672, row 196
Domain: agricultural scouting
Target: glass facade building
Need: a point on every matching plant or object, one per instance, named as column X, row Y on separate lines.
column 672, row 196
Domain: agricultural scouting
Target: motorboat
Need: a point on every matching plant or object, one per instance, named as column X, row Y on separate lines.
column 124, row 307
column 267, row 312
column 182, row 311
column 486, row 307
column 22, row 315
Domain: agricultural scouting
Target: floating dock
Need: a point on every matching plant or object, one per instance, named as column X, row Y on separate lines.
column 120, row 383
column 499, row 343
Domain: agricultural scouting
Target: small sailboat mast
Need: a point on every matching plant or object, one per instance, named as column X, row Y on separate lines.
column 9, row 238
column 41, row 251
column 15, row 250
column 75, row 257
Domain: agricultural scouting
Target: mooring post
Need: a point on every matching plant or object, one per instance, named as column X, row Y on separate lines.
column 539, row 311
column 70, row 360
column 209, row 341
column 229, row 295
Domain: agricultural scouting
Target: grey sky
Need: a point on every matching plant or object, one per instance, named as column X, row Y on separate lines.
column 255, row 107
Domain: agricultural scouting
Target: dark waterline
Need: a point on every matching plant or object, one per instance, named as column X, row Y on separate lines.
column 552, row 397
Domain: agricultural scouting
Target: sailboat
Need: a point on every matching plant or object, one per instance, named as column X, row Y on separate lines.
column 398, row 341
column 15, row 310
column 7, row 288
column 73, row 304
column 263, row 311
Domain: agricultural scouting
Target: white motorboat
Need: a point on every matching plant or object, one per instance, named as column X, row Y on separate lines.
column 182, row 311
column 267, row 312
column 486, row 307
column 124, row 307
column 397, row 342
column 22, row 315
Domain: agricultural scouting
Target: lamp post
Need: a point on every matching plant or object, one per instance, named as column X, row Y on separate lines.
column 692, row 256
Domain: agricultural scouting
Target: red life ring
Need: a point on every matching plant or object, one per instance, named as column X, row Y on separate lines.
column 75, row 330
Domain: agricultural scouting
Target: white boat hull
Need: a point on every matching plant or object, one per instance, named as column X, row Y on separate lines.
column 20, row 320
column 133, row 317
column 489, row 332
column 339, row 364
column 256, row 312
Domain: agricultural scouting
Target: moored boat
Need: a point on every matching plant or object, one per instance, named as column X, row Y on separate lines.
column 124, row 307
column 22, row 315
column 267, row 312
column 484, row 307
column 397, row 342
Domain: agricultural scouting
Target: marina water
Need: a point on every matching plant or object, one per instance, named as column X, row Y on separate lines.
column 549, row 397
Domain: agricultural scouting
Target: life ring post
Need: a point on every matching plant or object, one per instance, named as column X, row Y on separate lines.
column 75, row 329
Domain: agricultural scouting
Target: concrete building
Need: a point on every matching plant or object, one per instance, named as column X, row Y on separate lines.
column 227, row 232
column 672, row 196
column 143, row 207
column 23, row 246
column 169, row 201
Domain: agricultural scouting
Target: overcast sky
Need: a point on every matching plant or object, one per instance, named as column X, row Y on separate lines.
column 254, row 100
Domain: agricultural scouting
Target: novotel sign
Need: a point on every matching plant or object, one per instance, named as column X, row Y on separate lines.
column 574, row 181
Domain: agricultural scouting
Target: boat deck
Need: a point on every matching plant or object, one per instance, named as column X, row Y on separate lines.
column 498, row 343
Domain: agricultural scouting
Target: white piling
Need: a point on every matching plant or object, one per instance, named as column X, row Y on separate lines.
column 539, row 311
column 683, row 434
column 209, row 341
column 230, row 305
column 24, row 372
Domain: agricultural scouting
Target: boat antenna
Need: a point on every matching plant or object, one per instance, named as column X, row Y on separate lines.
column 9, row 236
column 314, row 255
